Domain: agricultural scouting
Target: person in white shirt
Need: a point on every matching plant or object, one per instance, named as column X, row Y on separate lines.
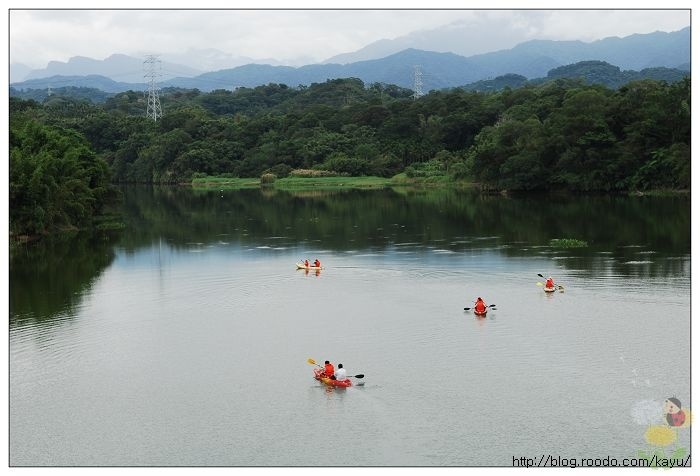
column 340, row 373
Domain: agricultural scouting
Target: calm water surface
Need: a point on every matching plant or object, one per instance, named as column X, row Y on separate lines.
column 184, row 340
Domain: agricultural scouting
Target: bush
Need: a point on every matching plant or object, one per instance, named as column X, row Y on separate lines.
column 279, row 170
column 309, row 173
column 461, row 170
column 343, row 164
column 268, row 178
column 431, row 168
column 387, row 165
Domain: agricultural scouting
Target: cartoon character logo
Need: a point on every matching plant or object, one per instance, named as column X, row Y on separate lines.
column 663, row 422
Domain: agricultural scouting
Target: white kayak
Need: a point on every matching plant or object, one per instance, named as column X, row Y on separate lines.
column 554, row 288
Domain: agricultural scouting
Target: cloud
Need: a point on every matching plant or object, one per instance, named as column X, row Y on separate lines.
column 38, row 36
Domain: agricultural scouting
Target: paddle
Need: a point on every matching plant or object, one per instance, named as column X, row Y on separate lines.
column 313, row 362
column 353, row 376
column 493, row 306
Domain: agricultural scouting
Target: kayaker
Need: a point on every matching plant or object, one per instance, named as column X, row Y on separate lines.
column 549, row 283
column 340, row 373
column 317, row 263
column 328, row 369
column 306, row 263
column 480, row 306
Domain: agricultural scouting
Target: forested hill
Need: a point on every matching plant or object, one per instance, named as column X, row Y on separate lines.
column 98, row 89
column 563, row 134
column 591, row 72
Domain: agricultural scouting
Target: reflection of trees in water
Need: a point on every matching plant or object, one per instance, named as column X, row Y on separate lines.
column 50, row 277
column 643, row 237
column 458, row 219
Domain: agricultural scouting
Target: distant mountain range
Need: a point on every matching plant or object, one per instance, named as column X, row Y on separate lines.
column 480, row 38
column 591, row 72
column 484, row 32
column 532, row 59
column 117, row 67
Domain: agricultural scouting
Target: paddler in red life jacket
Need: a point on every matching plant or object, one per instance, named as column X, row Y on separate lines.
column 550, row 283
column 328, row 369
column 306, row 263
column 480, row 306
column 317, row 263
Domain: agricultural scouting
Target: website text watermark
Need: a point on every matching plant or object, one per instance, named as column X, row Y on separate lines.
column 551, row 461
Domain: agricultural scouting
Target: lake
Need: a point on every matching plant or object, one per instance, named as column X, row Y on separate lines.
column 183, row 340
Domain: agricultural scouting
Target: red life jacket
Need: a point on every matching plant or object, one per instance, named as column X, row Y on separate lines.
column 480, row 306
column 317, row 263
column 550, row 283
column 329, row 370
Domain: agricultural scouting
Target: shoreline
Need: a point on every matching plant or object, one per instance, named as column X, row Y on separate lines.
column 372, row 182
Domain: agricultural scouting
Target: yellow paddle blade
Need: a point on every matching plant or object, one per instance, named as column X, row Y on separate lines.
column 539, row 284
column 311, row 361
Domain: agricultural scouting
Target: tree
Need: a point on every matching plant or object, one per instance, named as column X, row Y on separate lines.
column 56, row 180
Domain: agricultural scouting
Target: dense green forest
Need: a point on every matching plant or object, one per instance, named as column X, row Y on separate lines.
column 56, row 179
column 563, row 134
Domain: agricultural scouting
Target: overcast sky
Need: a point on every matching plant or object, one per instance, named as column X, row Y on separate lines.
column 291, row 36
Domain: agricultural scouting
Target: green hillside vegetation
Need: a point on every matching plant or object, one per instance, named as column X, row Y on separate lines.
column 590, row 72
column 90, row 94
column 56, row 179
column 512, row 81
column 563, row 134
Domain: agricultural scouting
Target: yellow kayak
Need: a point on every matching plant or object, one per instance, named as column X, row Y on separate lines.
column 303, row 266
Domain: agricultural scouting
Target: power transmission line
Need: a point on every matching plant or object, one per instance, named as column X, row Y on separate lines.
column 152, row 71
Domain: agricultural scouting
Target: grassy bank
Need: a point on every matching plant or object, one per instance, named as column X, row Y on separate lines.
column 294, row 183
column 329, row 183
column 345, row 183
column 403, row 180
column 225, row 182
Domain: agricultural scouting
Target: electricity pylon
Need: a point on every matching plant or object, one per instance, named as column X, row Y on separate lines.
column 152, row 71
column 417, row 82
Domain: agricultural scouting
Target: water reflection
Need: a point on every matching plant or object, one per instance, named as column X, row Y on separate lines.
column 626, row 235
column 49, row 279
column 316, row 272
column 640, row 237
